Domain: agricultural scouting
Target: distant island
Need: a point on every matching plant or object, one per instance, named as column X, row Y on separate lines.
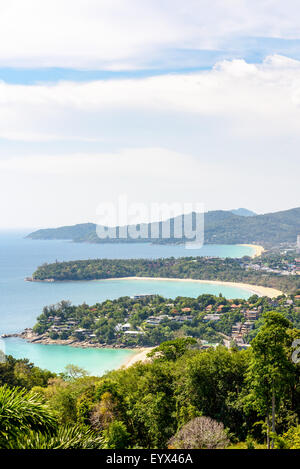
column 282, row 273
column 221, row 227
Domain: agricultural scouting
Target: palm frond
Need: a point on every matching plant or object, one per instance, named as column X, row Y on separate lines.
column 21, row 410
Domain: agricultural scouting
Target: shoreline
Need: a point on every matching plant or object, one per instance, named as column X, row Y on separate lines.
column 255, row 289
column 258, row 250
column 33, row 338
column 139, row 356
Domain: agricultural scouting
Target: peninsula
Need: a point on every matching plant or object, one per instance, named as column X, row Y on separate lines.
column 144, row 321
column 252, row 272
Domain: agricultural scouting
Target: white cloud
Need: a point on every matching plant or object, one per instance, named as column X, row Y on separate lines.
column 118, row 34
column 250, row 99
column 235, row 129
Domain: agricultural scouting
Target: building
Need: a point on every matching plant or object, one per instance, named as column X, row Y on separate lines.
column 211, row 317
column 122, row 327
column 154, row 320
column 251, row 315
column 131, row 333
column 140, row 297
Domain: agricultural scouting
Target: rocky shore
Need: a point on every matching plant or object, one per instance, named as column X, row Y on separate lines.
column 31, row 279
column 32, row 337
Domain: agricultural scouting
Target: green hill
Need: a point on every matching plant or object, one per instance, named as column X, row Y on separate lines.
column 221, row 227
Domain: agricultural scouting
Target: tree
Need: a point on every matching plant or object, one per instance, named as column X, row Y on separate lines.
column 104, row 412
column 66, row 437
column 73, row 372
column 28, row 423
column 172, row 349
column 200, row 433
column 116, row 436
column 20, row 412
column 291, row 439
column 270, row 370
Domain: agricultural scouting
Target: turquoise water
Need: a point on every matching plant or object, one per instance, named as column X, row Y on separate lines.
column 57, row 357
column 21, row 302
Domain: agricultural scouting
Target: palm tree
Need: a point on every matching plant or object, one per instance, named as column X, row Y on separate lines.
column 26, row 422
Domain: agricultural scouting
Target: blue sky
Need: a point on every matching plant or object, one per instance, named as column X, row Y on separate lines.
column 163, row 101
column 252, row 50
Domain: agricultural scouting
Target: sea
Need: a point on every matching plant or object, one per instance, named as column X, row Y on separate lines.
column 21, row 302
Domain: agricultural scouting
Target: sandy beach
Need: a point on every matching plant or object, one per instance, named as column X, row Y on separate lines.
column 258, row 249
column 140, row 356
column 254, row 289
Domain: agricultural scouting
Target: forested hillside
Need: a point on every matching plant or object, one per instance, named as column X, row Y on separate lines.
column 221, row 227
column 184, row 398
column 227, row 270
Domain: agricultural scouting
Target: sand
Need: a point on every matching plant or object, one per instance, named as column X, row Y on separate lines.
column 258, row 249
column 254, row 289
column 140, row 356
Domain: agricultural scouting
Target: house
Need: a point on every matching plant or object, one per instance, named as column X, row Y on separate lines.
column 246, row 327
column 140, row 297
column 80, row 332
column 251, row 315
column 237, row 327
column 154, row 320
column 205, row 344
column 212, row 317
column 122, row 327
column 133, row 332
column 126, row 326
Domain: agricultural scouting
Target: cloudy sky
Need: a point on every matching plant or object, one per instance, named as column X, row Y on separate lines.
column 161, row 100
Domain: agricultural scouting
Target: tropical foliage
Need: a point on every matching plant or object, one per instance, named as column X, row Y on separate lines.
column 182, row 398
column 227, row 270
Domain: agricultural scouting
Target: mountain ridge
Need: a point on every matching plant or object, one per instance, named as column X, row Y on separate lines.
column 221, row 227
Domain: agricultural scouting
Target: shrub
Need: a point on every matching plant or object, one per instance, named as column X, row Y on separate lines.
column 200, row 433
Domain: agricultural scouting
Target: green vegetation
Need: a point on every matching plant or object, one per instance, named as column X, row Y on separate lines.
column 271, row 376
column 227, row 270
column 183, row 398
column 221, row 227
column 151, row 319
column 22, row 373
column 27, row 422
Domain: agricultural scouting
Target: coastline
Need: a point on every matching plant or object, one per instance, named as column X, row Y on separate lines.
column 258, row 250
column 29, row 336
column 140, row 356
column 254, row 289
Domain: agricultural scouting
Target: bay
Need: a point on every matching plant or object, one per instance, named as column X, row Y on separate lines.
column 21, row 302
